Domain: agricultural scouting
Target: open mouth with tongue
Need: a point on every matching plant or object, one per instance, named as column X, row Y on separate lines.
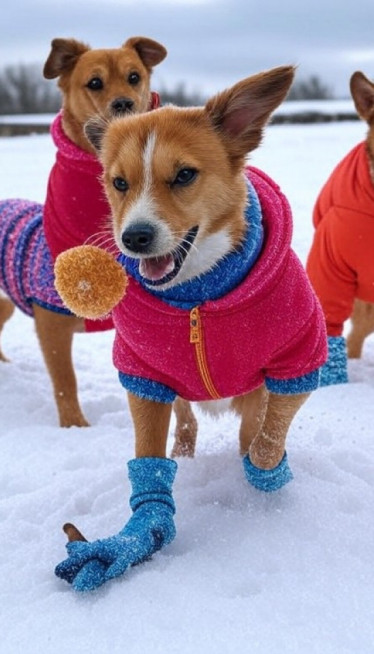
column 160, row 270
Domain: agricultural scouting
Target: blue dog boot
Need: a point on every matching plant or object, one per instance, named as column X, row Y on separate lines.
column 334, row 371
column 268, row 480
column 151, row 526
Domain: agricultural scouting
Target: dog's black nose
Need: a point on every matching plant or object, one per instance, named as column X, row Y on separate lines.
column 139, row 238
column 122, row 105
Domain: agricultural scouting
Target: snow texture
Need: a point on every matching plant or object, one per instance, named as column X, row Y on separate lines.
column 288, row 572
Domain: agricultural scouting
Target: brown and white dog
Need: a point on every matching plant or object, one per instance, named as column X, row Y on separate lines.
column 205, row 323
column 341, row 262
column 94, row 82
column 213, row 306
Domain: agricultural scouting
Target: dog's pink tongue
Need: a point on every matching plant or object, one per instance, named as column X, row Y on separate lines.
column 156, row 267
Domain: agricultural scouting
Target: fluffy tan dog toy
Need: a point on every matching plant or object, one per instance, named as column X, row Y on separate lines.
column 89, row 281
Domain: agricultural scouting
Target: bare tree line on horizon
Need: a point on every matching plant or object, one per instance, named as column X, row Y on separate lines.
column 23, row 90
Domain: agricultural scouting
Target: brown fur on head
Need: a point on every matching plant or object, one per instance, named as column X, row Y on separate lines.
column 362, row 91
column 103, row 82
column 148, row 153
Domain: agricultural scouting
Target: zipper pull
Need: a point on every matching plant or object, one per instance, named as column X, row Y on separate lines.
column 194, row 325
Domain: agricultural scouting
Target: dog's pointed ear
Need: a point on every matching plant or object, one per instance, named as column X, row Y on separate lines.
column 63, row 56
column 240, row 113
column 362, row 91
column 150, row 52
column 94, row 131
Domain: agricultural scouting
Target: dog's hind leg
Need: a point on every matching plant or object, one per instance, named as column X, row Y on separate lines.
column 6, row 310
column 362, row 326
column 267, row 448
column 55, row 332
column 185, row 429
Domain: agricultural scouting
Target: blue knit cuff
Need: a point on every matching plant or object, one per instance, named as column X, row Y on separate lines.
column 304, row 384
column 268, row 480
column 151, row 480
column 147, row 388
column 334, row 371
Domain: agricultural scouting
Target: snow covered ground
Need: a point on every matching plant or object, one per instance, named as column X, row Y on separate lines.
column 285, row 573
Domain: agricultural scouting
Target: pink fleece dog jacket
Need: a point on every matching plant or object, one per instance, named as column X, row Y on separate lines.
column 270, row 328
column 32, row 235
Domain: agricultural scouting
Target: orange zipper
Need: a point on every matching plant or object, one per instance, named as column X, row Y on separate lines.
column 197, row 339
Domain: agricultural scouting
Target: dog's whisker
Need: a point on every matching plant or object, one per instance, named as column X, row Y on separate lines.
column 100, row 242
column 101, row 239
column 193, row 246
column 186, row 246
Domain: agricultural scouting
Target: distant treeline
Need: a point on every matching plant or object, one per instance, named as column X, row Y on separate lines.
column 23, row 90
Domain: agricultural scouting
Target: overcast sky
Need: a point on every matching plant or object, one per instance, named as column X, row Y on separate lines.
column 211, row 43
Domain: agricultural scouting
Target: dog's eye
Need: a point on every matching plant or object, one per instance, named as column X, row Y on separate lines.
column 95, row 84
column 184, row 176
column 120, row 184
column 133, row 78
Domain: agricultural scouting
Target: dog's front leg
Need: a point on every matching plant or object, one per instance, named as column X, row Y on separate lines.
column 266, row 465
column 267, row 449
column 55, row 332
column 151, row 424
column 151, row 525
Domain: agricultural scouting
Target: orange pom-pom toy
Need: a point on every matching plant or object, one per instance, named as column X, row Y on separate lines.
column 89, row 281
